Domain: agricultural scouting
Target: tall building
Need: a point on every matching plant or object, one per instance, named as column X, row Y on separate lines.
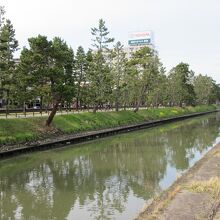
column 139, row 39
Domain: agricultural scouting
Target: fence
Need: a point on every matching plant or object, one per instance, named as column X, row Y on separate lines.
column 32, row 112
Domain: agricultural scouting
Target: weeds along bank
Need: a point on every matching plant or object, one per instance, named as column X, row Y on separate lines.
column 22, row 130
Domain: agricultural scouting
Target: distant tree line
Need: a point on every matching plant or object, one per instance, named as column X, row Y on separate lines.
column 102, row 76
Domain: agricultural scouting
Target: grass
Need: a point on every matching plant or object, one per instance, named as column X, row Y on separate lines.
column 28, row 129
column 212, row 187
column 89, row 121
column 19, row 130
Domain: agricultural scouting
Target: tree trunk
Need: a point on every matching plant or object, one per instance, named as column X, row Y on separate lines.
column 143, row 90
column 7, row 102
column 24, row 107
column 41, row 104
column 52, row 114
column 137, row 106
column 116, row 106
column 77, row 103
column 7, row 107
column 117, row 97
column 94, row 108
column 117, row 100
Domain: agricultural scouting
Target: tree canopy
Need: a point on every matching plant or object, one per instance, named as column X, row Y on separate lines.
column 103, row 76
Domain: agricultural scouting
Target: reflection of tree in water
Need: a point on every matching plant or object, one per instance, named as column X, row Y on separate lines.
column 102, row 174
column 51, row 188
column 185, row 141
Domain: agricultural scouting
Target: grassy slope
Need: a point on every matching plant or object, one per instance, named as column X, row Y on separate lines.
column 21, row 130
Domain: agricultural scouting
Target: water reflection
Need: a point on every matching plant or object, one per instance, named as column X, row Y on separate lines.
column 105, row 179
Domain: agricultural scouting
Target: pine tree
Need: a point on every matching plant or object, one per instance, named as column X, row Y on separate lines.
column 8, row 45
column 99, row 73
column 101, row 40
column 144, row 68
column 118, row 69
column 80, row 70
column 49, row 65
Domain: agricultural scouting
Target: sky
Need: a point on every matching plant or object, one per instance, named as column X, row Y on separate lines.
column 184, row 30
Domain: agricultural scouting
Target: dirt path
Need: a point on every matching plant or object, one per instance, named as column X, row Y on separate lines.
column 195, row 195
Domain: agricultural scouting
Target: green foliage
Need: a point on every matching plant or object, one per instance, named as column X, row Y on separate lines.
column 158, row 92
column 205, row 89
column 118, row 70
column 47, row 69
column 32, row 69
column 99, row 74
column 181, row 90
column 101, row 40
column 8, row 45
column 80, row 69
column 143, row 67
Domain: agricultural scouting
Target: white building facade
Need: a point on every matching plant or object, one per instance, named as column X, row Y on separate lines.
column 139, row 39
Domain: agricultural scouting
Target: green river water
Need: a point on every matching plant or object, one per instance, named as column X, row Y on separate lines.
column 109, row 178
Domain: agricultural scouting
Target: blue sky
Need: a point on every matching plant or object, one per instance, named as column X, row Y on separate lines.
column 185, row 30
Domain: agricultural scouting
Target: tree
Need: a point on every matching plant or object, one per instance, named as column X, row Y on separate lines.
column 101, row 40
column 144, row 68
column 118, row 70
column 216, row 93
column 181, row 85
column 33, row 67
column 158, row 93
column 80, row 70
column 204, row 87
column 8, row 45
column 99, row 72
column 60, row 75
column 2, row 12
column 23, row 93
column 49, row 64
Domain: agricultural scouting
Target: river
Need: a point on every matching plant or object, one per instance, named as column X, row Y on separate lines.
column 109, row 178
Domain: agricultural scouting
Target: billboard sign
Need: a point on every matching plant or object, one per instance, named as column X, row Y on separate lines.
column 140, row 38
column 137, row 42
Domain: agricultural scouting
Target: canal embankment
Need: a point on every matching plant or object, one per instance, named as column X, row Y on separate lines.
column 27, row 135
column 195, row 195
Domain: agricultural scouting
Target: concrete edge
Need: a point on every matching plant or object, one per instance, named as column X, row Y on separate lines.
column 83, row 137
